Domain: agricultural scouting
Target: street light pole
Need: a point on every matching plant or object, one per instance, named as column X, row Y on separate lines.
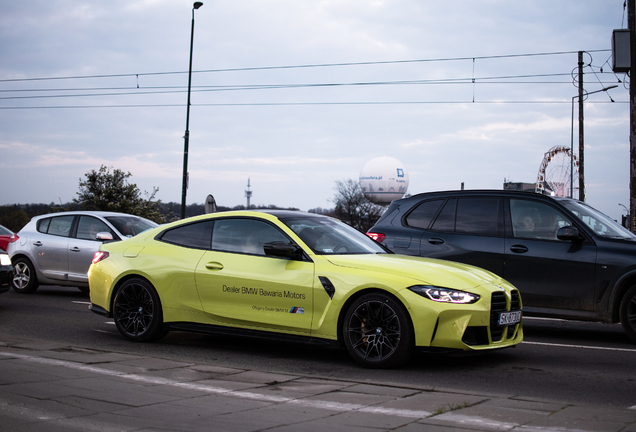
column 581, row 100
column 186, row 137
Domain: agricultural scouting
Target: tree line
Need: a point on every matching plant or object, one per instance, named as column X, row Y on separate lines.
column 109, row 189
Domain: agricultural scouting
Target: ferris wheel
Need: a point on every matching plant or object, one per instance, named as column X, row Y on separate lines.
column 554, row 172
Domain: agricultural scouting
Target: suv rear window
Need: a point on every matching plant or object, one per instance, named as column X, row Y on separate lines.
column 479, row 216
column 423, row 214
column 475, row 215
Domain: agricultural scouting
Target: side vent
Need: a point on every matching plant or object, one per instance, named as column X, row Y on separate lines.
column 328, row 286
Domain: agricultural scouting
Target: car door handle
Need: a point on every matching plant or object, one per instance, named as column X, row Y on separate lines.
column 75, row 249
column 37, row 243
column 519, row 248
column 214, row 266
column 436, row 240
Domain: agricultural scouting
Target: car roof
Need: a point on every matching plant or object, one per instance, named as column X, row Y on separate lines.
column 84, row 212
column 482, row 192
column 284, row 214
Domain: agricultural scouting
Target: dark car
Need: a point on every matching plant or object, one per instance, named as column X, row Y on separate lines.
column 567, row 259
column 6, row 272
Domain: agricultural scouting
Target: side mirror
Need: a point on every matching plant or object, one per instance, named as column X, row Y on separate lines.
column 569, row 233
column 282, row 250
column 104, row 236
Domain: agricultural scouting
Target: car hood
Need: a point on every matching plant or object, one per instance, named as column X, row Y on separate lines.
column 423, row 270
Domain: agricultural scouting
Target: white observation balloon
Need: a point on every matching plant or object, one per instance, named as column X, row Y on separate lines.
column 383, row 180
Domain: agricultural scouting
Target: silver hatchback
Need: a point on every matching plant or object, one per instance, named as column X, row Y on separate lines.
column 57, row 249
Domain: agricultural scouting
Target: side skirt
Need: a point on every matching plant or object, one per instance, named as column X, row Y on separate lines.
column 249, row 333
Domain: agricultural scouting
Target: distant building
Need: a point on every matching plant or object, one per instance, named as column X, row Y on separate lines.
column 518, row 186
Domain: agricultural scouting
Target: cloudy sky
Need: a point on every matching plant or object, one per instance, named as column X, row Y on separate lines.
column 297, row 94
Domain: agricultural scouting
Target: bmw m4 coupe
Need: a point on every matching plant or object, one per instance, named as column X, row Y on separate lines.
column 303, row 278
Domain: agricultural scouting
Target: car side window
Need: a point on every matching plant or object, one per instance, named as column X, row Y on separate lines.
column 531, row 219
column 196, row 235
column 446, row 219
column 58, row 226
column 43, row 225
column 244, row 235
column 89, row 226
column 423, row 214
column 480, row 215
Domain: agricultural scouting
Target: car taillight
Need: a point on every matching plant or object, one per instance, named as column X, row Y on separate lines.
column 379, row 237
column 100, row 256
column 14, row 238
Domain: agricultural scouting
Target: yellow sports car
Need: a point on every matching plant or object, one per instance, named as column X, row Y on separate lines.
column 299, row 277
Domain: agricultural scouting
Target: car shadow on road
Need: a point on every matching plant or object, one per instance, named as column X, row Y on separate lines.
column 576, row 332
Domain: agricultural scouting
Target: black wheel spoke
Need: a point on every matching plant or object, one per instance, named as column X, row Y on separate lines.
column 374, row 331
column 134, row 309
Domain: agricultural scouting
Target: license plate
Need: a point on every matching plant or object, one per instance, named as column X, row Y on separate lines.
column 509, row 318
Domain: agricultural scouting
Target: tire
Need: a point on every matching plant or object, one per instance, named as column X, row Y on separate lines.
column 24, row 280
column 377, row 331
column 628, row 313
column 137, row 311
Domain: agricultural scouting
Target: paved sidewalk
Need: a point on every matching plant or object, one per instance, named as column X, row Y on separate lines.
column 63, row 388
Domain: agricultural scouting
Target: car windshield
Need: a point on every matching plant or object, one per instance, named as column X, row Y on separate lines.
column 326, row 236
column 4, row 231
column 602, row 225
column 131, row 225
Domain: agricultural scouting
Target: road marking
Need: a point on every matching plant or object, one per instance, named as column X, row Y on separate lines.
column 451, row 417
column 579, row 346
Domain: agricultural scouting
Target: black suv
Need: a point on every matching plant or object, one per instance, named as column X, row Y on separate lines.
column 567, row 259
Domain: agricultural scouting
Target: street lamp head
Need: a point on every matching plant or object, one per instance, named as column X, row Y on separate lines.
column 197, row 5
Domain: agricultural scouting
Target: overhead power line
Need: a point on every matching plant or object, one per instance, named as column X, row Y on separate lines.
column 367, row 63
column 238, row 104
column 181, row 89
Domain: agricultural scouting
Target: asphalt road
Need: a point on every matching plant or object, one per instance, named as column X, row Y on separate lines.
column 574, row 362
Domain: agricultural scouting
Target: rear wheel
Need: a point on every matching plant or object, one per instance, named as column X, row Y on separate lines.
column 628, row 312
column 137, row 311
column 24, row 279
column 377, row 331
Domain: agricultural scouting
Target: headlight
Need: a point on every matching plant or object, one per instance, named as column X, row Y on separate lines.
column 444, row 295
column 4, row 260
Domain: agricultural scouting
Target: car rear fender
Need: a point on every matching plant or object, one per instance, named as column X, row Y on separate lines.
column 625, row 282
column 119, row 283
column 39, row 275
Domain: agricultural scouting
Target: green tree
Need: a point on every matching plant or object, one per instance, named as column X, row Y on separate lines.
column 353, row 208
column 111, row 191
column 14, row 219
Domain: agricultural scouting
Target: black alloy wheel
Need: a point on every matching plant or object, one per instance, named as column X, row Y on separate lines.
column 628, row 313
column 24, row 279
column 137, row 311
column 377, row 331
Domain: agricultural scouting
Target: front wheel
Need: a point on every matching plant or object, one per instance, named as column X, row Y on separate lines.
column 24, row 279
column 137, row 311
column 377, row 331
column 628, row 313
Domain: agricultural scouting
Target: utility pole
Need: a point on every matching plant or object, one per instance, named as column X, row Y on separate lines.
column 581, row 140
column 631, row 24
